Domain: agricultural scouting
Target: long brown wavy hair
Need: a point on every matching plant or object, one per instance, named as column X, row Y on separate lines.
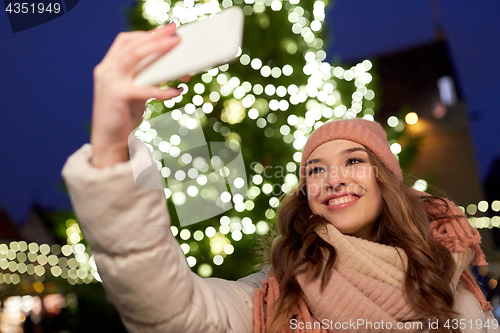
column 404, row 223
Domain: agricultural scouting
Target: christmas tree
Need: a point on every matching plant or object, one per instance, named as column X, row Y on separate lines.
column 264, row 104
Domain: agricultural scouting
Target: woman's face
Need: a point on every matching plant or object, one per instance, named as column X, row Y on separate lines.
column 342, row 187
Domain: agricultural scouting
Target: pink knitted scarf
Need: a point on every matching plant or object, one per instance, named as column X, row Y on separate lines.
column 367, row 282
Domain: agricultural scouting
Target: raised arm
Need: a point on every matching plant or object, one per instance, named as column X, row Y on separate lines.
column 119, row 105
column 142, row 267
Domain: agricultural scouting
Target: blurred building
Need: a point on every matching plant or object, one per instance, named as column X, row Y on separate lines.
column 8, row 231
column 36, row 228
column 422, row 80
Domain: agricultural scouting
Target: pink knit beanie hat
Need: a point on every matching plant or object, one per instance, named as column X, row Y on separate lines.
column 368, row 133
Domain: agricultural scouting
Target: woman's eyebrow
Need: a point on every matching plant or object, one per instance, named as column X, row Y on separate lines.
column 352, row 150
column 316, row 160
column 343, row 152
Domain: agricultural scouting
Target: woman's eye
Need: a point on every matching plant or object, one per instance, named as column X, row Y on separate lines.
column 353, row 160
column 315, row 170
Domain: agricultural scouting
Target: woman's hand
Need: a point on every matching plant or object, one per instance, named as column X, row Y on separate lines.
column 118, row 105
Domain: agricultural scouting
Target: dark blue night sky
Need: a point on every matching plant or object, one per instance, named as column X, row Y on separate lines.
column 46, row 79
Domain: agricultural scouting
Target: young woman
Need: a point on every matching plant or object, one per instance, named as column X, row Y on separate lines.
column 358, row 250
column 359, row 247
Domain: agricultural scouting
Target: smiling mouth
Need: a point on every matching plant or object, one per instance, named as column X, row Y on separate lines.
column 342, row 200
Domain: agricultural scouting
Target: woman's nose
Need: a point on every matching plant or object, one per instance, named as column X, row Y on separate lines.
column 336, row 182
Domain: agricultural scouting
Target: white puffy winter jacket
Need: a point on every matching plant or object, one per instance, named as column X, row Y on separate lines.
column 144, row 270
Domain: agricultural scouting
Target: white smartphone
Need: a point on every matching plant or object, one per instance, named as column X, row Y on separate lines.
column 204, row 44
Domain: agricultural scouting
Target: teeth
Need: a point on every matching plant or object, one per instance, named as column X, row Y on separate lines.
column 341, row 200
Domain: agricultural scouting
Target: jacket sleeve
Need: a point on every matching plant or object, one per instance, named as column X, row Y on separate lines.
column 140, row 263
column 471, row 314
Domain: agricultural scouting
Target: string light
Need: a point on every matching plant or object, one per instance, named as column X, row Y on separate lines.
column 72, row 262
